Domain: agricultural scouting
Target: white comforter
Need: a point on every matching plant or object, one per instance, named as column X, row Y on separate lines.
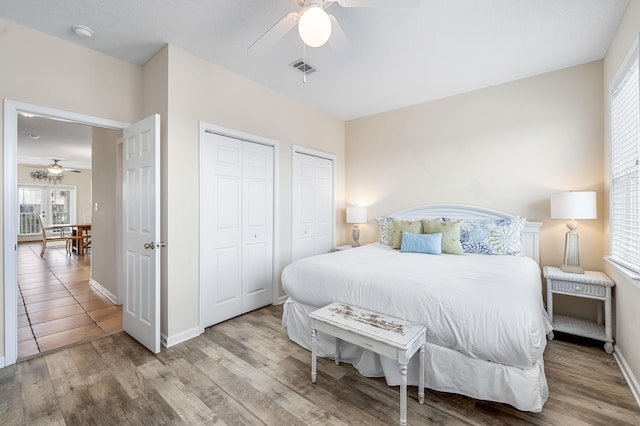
column 486, row 307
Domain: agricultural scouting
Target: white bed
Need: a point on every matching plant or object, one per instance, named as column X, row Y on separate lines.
column 485, row 318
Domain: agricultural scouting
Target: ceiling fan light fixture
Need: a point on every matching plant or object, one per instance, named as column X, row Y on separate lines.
column 314, row 26
column 55, row 168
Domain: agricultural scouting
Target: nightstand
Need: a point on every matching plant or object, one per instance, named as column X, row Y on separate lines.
column 344, row 247
column 590, row 285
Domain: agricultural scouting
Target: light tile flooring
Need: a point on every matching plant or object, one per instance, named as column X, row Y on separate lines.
column 57, row 306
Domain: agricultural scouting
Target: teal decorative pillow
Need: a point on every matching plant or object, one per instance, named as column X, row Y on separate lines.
column 413, row 226
column 501, row 236
column 450, row 234
column 386, row 231
column 421, row 243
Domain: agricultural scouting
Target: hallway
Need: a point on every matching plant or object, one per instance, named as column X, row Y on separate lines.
column 57, row 306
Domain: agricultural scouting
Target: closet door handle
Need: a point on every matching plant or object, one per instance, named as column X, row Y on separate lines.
column 149, row 246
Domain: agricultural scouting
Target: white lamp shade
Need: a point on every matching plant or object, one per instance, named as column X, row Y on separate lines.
column 314, row 26
column 356, row 214
column 574, row 205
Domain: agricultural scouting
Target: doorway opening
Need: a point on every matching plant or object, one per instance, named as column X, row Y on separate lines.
column 57, row 301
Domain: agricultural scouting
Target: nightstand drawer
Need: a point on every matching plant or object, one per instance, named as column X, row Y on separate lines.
column 579, row 288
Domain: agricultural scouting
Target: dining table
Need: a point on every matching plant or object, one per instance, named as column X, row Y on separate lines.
column 81, row 237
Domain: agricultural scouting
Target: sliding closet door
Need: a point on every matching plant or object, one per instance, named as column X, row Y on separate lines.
column 312, row 206
column 257, row 228
column 220, row 228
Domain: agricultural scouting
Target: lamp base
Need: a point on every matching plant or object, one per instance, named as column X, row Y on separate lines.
column 356, row 236
column 572, row 269
column 572, row 252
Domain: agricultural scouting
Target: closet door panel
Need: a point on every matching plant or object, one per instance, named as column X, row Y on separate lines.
column 257, row 218
column 220, row 229
column 303, row 207
column 323, row 230
column 312, row 206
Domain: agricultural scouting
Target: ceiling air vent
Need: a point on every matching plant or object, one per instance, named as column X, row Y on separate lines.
column 303, row 67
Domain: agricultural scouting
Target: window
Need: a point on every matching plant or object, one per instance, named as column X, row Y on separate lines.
column 625, row 165
column 55, row 204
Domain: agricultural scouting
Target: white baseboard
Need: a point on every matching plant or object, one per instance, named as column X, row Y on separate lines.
column 627, row 373
column 104, row 291
column 168, row 341
column 282, row 299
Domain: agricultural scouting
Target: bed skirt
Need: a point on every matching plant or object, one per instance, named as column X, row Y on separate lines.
column 446, row 370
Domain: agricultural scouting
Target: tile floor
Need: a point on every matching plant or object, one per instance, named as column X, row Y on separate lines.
column 57, row 306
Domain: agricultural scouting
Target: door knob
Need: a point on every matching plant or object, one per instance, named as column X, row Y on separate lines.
column 150, row 245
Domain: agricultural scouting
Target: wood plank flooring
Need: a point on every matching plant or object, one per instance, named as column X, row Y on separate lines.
column 56, row 304
column 245, row 371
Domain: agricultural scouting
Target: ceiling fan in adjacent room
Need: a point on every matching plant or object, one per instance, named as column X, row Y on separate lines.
column 56, row 169
column 316, row 26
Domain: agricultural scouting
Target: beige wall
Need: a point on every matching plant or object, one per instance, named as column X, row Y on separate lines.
column 201, row 91
column 155, row 101
column 627, row 291
column 104, row 251
column 42, row 70
column 507, row 147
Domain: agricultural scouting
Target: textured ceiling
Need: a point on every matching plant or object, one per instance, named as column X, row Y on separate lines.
column 398, row 56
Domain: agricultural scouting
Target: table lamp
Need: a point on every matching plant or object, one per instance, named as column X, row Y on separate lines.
column 356, row 215
column 572, row 206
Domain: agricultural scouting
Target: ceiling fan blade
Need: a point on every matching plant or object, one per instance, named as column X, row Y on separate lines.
column 379, row 3
column 274, row 34
column 72, row 170
column 338, row 40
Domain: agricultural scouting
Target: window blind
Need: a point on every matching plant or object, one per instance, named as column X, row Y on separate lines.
column 625, row 160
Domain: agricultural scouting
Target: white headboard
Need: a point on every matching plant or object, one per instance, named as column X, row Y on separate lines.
column 530, row 233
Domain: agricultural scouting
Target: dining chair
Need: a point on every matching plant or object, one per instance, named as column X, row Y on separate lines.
column 50, row 238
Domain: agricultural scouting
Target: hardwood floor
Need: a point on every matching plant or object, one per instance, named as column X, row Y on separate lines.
column 245, row 371
column 56, row 304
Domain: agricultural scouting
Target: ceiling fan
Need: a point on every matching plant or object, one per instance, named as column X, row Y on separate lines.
column 57, row 169
column 316, row 26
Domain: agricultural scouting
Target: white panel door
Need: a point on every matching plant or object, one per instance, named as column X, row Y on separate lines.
column 312, row 206
column 141, row 184
column 221, row 228
column 236, row 227
column 323, row 229
column 303, row 206
column 257, row 228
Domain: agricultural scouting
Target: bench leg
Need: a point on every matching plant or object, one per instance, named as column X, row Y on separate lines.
column 403, row 394
column 314, row 344
column 421, row 385
column 337, row 358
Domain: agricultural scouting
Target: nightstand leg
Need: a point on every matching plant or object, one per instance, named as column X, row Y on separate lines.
column 314, row 344
column 421, row 379
column 608, row 329
column 337, row 351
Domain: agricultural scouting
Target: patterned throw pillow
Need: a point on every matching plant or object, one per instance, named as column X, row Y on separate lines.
column 450, row 234
column 501, row 236
column 386, row 231
column 413, row 226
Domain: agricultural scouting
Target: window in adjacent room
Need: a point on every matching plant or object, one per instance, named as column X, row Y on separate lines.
column 625, row 164
column 55, row 204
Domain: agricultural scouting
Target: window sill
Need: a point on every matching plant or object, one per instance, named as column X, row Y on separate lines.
column 634, row 277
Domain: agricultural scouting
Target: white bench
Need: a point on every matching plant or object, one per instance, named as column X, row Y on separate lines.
column 382, row 334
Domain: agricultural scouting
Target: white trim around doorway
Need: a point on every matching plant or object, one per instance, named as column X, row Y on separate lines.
column 10, row 243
